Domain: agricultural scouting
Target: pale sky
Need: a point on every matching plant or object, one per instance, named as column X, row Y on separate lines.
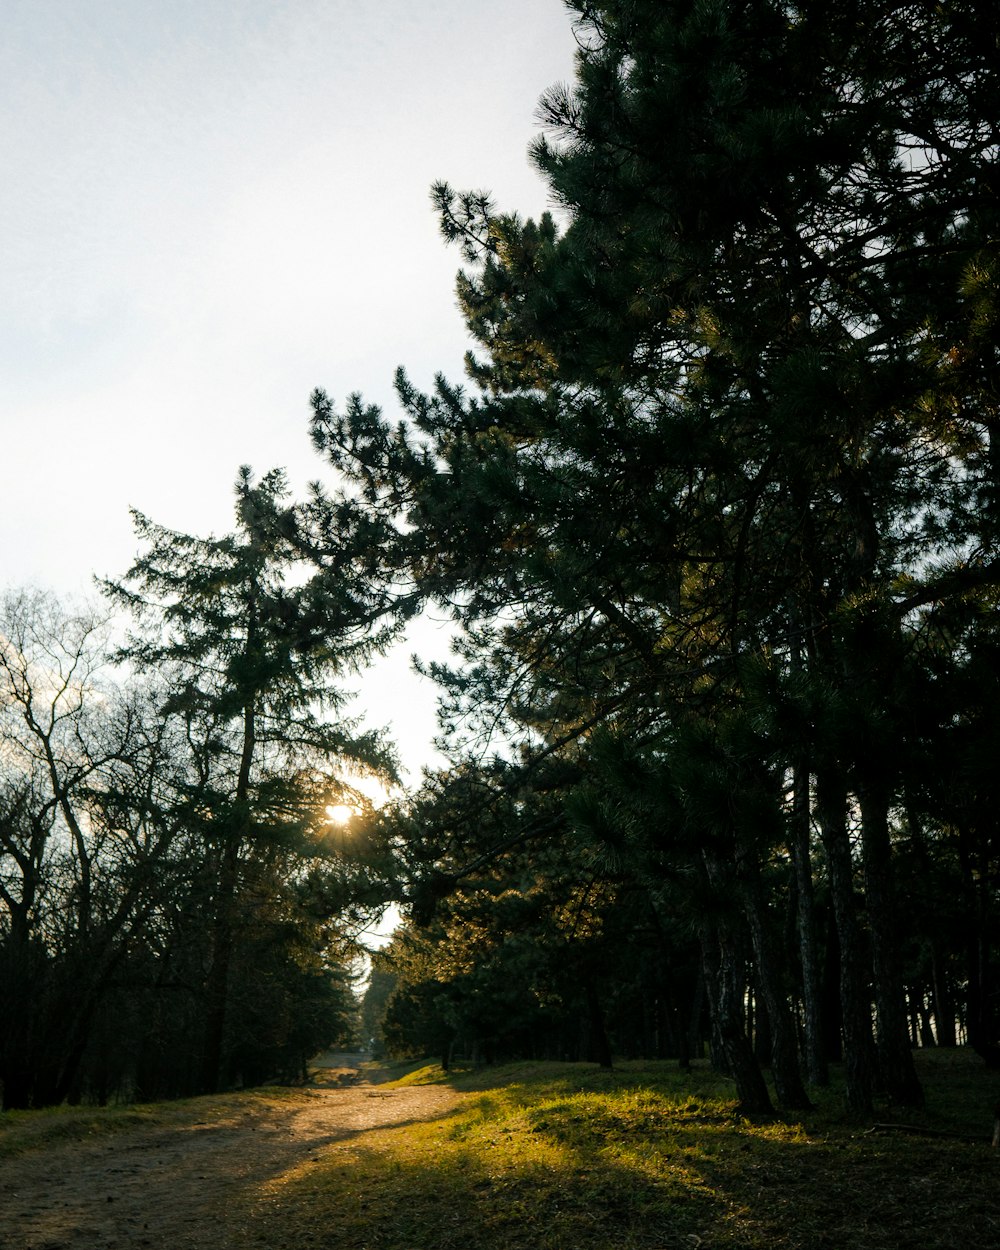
column 207, row 209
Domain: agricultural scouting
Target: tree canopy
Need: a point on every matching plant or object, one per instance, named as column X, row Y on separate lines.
column 725, row 485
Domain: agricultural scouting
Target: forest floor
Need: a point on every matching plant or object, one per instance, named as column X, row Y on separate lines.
column 524, row 1157
column 174, row 1177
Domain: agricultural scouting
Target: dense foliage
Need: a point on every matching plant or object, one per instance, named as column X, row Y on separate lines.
column 173, row 915
column 719, row 523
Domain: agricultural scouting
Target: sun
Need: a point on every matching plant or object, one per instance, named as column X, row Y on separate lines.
column 339, row 813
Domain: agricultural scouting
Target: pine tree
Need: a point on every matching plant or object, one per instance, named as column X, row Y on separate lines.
column 740, row 412
column 235, row 639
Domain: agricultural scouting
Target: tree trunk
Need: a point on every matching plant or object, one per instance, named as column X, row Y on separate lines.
column 799, row 837
column 784, row 1049
column 942, row 998
column 723, row 964
column 217, row 979
column 217, row 985
column 981, row 1023
column 833, row 1032
column 599, row 1046
column 695, row 1031
column 892, row 1036
column 855, row 1004
column 760, row 1027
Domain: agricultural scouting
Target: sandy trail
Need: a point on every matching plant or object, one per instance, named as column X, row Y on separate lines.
column 183, row 1186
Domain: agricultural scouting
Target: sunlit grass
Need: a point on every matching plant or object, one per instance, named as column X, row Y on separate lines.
column 469, row 1180
column 565, row 1157
column 401, row 1075
column 31, row 1130
column 542, row 1156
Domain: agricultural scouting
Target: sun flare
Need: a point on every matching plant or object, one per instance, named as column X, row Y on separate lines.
column 339, row 813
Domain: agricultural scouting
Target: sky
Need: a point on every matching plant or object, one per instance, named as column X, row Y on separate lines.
column 210, row 207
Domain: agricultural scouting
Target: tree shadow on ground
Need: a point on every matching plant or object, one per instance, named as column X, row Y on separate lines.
column 659, row 1175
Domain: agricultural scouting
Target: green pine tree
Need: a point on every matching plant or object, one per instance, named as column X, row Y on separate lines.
column 229, row 623
column 737, row 415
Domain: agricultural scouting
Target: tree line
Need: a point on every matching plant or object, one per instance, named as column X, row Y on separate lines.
column 174, row 917
column 716, row 521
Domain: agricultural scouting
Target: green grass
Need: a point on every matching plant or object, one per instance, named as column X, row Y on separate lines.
column 21, row 1131
column 566, row 1157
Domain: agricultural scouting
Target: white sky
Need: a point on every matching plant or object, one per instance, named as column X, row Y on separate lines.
column 207, row 209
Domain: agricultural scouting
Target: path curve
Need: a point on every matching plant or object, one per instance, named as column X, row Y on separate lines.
column 176, row 1187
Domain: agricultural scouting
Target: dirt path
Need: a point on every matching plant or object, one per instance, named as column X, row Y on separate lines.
column 175, row 1188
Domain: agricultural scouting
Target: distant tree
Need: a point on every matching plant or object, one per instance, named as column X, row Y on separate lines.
column 381, row 983
column 81, row 872
column 250, row 679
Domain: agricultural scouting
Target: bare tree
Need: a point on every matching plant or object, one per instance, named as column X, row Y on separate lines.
column 81, row 836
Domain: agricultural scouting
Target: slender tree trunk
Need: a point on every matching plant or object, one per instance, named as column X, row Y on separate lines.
column 980, row 1015
column 217, row 985
column 695, row 1019
column 763, row 1045
column 833, row 1033
column 855, row 1004
column 683, row 1039
column 723, row 964
column 600, row 1047
column 892, row 1036
column 926, row 1033
column 799, row 837
column 942, row 998
column 784, row 1049
column 217, row 980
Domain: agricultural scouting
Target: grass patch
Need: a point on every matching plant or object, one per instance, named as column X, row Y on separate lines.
column 21, row 1131
column 543, row 1156
column 399, row 1074
column 565, row 1157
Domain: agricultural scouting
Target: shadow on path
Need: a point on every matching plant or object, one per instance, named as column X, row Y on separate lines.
column 179, row 1187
